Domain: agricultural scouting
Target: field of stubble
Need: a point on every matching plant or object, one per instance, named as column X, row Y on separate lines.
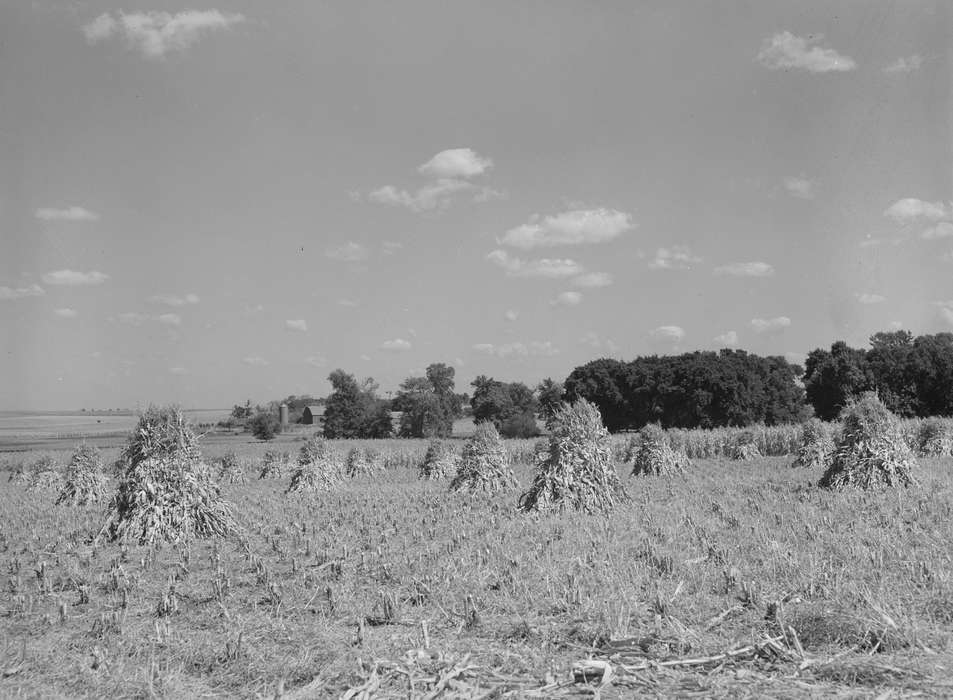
column 741, row 579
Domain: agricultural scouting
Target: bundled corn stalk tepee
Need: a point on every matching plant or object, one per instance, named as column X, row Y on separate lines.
column 84, row 481
column 273, row 465
column 576, row 470
column 655, row 456
column 166, row 492
column 360, row 462
column 816, row 445
column 870, row 451
column 743, row 446
column 484, row 464
column 934, row 438
column 440, row 462
column 44, row 474
column 230, row 469
column 316, row 467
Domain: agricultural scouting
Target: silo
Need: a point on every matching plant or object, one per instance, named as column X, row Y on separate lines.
column 283, row 415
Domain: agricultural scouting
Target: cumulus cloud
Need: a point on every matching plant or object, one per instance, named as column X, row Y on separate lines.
column 154, row 34
column 593, row 340
column 451, row 172
column 66, row 313
column 536, row 348
column 944, row 229
column 799, row 187
column 169, row 319
column 669, row 334
column 785, row 51
column 316, row 360
column 746, row 269
column 297, row 324
column 511, row 314
column 390, row 247
column 348, row 303
column 174, row 299
column 34, row 290
column 456, row 163
column 396, row 345
column 544, row 267
column 349, row 252
column 866, row 298
column 728, row 339
column 68, row 214
column 911, row 209
column 906, row 64
column 574, row 227
column 677, row 257
column 592, row 280
column 73, row 278
column 255, row 361
column 769, row 325
column 568, row 299
column 178, row 371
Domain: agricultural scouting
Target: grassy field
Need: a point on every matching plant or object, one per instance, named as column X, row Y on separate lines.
column 740, row 579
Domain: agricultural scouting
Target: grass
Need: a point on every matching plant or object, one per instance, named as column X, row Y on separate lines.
column 386, row 580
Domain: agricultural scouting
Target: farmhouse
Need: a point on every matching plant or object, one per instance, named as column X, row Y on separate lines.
column 312, row 414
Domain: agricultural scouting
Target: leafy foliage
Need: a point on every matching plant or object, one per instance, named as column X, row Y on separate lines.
column 353, row 410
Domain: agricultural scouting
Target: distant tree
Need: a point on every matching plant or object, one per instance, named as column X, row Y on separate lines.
column 549, row 394
column 520, row 425
column 499, row 402
column 264, row 425
column 832, row 378
column 428, row 404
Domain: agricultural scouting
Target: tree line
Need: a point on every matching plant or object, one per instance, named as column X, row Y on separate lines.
column 912, row 375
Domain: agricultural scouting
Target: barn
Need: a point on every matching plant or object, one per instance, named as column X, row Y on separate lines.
column 312, row 414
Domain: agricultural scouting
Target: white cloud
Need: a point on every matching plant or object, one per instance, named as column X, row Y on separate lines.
column 944, row 229
column 179, row 371
column 255, row 361
column 390, row 247
column 785, row 50
column 799, row 187
column 569, row 228
column 912, row 209
column 728, row 339
column 456, row 163
column 71, row 277
column 132, row 318
column 677, row 257
column 535, row 348
column 769, row 325
column 173, row 299
column 544, row 267
column 865, row 298
column 349, row 252
column 316, row 361
column 154, row 34
column 68, row 214
column 593, row 340
column 169, row 319
column 396, row 345
column 66, row 313
column 592, row 280
column 670, row 334
column 297, row 324
column 746, row 269
column 568, row 299
column 34, row 290
column 946, row 314
column 511, row 315
column 348, row 303
column 904, row 65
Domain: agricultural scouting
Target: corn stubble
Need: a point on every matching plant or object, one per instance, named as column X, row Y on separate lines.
column 166, row 492
column 576, row 470
column 870, row 451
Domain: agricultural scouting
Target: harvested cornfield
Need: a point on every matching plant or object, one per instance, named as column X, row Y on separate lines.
column 316, row 469
column 45, row 474
column 166, row 492
column 934, row 438
column 484, row 464
column 440, row 462
column 359, row 463
column 576, row 471
column 655, row 456
column 274, row 465
column 230, row 469
column 84, row 481
column 870, row 451
column 743, row 446
column 816, row 445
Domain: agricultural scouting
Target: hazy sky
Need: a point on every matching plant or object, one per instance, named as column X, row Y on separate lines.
column 208, row 203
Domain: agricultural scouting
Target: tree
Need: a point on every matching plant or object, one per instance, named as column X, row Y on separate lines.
column 549, row 394
column 510, row 407
column 832, row 378
column 428, row 404
column 353, row 410
column 264, row 425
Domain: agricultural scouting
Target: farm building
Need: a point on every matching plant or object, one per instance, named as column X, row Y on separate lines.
column 312, row 414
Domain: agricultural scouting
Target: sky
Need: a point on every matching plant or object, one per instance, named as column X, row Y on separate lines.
column 209, row 203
